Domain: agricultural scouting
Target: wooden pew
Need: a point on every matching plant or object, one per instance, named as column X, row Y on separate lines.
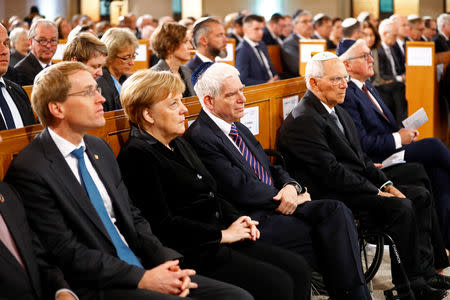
column 275, row 57
column 268, row 98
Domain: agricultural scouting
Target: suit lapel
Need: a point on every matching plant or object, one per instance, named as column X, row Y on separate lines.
column 257, row 153
column 65, row 176
column 383, row 106
column 18, row 100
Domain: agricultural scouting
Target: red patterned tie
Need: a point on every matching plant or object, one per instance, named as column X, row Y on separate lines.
column 366, row 91
column 248, row 156
column 8, row 241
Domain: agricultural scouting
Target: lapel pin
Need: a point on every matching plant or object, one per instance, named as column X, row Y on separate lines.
column 2, row 199
column 95, row 156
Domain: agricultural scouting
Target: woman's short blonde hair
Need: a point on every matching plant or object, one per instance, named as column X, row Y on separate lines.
column 145, row 88
column 117, row 39
column 167, row 38
column 52, row 85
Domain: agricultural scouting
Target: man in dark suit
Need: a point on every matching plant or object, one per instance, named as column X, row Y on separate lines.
column 322, row 27
column 399, row 48
column 79, row 206
column 252, row 58
column 380, row 135
column 25, row 273
column 43, row 37
column 209, row 41
column 416, row 28
column 237, row 32
column 302, row 29
column 15, row 107
column 266, row 192
column 274, row 29
column 321, row 146
column 441, row 40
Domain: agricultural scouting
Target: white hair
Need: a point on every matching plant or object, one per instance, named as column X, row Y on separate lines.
column 384, row 26
column 142, row 18
column 211, row 81
column 16, row 33
column 350, row 53
column 442, row 20
column 314, row 67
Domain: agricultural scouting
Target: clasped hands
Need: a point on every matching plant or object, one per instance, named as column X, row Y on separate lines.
column 289, row 200
column 168, row 278
column 244, row 228
column 391, row 191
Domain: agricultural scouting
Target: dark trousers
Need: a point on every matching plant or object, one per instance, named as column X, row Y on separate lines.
column 266, row 271
column 323, row 231
column 207, row 289
column 408, row 221
column 435, row 157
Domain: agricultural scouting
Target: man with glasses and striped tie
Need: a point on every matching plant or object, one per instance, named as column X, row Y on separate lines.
column 287, row 216
column 78, row 204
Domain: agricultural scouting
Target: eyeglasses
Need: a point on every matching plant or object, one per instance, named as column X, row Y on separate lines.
column 45, row 42
column 87, row 93
column 365, row 56
column 127, row 58
column 336, row 80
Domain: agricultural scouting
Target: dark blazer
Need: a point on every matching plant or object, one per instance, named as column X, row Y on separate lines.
column 374, row 130
column 185, row 73
column 109, row 91
column 249, row 66
column 441, row 44
column 193, row 63
column 61, row 213
column 328, row 163
column 268, row 38
column 27, row 69
column 22, row 102
column 39, row 280
column 289, row 55
column 400, row 57
column 184, row 208
column 231, row 170
column 15, row 57
column 384, row 65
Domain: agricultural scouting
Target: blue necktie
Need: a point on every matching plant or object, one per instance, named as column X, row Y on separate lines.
column 248, row 156
column 7, row 116
column 123, row 251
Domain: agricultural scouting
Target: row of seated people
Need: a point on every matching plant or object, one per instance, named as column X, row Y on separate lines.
column 67, row 234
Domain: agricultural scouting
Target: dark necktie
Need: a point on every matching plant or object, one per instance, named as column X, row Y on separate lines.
column 7, row 115
column 366, row 91
column 8, row 241
column 261, row 59
column 338, row 123
column 248, row 156
column 123, row 251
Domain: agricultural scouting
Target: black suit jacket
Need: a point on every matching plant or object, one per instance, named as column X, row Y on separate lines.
column 400, row 57
column 185, row 73
column 441, row 44
column 384, row 64
column 27, row 69
column 39, row 280
column 15, row 57
column 268, row 38
column 22, row 102
column 238, row 182
column 68, row 225
column 193, row 63
column 329, row 163
column 184, row 208
column 109, row 91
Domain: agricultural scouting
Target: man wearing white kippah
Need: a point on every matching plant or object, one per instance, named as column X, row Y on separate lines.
column 321, row 145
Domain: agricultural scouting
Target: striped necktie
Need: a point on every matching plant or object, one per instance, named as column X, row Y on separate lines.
column 248, row 156
column 7, row 115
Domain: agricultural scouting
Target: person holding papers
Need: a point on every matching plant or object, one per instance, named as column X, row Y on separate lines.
column 381, row 136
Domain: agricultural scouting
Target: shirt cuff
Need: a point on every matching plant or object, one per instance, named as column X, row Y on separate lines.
column 399, row 78
column 65, row 290
column 397, row 140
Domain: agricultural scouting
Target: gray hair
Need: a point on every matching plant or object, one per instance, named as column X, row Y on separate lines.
column 142, row 18
column 350, row 53
column 211, row 81
column 16, row 33
column 297, row 17
column 43, row 22
column 384, row 26
column 442, row 20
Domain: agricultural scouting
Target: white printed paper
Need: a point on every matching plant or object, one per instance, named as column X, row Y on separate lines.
column 307, row 49
column 416, row 120
column 230, row 54
column 420, row 56
column 141, row 53
column 394, row 159
column 59, row 52
column 251, row 119
column 288, row 105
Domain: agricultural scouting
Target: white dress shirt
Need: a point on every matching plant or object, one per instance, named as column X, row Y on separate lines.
column 202, row 57
column 12, row 106
column 390, row 56
column 224, row 126
column 260, row 55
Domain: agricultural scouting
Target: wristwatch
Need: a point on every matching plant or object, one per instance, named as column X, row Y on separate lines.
column 386, row 185
column 297, row 186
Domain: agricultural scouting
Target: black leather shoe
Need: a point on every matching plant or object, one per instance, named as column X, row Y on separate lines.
column 426, row 292
column 439, row 281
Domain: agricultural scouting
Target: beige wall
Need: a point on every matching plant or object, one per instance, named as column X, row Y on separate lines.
column 157, row 8
column 431, row 8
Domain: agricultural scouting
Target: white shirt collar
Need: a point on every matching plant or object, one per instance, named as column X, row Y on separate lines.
column 3, row 81
column 300, row 36
column 251, row 43
column 385, row 46
column 358, row 83
column 318, row 35
column 400, row 42
column 202, row 57
column 446, row 38
column 64, row 146
column 329, row 110
column 223, row 125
